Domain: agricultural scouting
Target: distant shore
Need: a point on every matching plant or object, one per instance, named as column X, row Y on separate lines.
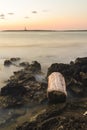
column 44, row 30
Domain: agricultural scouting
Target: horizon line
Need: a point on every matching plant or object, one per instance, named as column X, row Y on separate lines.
column 51, row 30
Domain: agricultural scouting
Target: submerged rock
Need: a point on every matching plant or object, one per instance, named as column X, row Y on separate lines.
column 7, row 63
column 15, row 59
column 35, row 66
column 11, row 61
column 24, row 64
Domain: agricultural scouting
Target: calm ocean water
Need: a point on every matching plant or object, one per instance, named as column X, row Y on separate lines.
column 46, row 47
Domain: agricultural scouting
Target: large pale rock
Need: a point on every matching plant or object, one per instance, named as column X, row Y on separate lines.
column 56, row 91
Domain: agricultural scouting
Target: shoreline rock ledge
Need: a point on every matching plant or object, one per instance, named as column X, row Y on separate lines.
column 75, row 75
column 70, row 114
column 23, row 88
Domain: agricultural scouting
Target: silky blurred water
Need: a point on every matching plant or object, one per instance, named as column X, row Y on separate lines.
column 45, row 47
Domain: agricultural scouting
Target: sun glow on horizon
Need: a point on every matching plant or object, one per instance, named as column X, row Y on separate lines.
column 43, row 14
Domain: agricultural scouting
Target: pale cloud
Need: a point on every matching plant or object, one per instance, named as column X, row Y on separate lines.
column 34, row 12
column 26, row 17
column 2, row 16
column 44, row 10
column 11, row 13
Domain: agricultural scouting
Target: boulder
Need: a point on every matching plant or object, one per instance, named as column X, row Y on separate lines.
column 15, row 59
column 56, row 90
column 35, row 66
column 64, row 69
column 76, row 88
column 7, row 63
column 13, row 89
column 23, row 84
column 76, row 70
column 81, row 61
column 24, row 64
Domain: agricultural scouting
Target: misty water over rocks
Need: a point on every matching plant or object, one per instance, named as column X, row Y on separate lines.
column 25, row 90
column 46, row 48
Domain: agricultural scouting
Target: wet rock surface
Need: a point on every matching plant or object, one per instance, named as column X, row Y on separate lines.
column 75, row 75
column 7, row 63
column 15, row 59
column 23, row 88
column 11, row 61
column 68, row 116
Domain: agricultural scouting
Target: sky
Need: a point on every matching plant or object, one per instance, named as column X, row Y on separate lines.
column 43, row 14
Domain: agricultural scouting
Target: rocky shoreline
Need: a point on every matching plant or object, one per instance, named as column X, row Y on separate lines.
column 24, row 87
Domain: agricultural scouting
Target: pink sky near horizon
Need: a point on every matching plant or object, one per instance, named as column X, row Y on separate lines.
column 43, row 14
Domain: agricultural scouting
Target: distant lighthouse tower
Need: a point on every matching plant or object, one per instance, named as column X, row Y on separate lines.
column 25, row 29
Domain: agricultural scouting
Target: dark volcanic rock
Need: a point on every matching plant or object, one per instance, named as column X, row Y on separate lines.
column 23, row 84
column 76, row 70
column 35, row 66
column 59, row 117
column 15, row 59
column 62, row 68
column 43, row 118
column 7, row 63
column 76, row 88
column 55, row 97
column 23, row 88
column 81, row 61
column 24, row 64
column 13, row 90
column 11, row 61
column 57, row 123
column 10, row 101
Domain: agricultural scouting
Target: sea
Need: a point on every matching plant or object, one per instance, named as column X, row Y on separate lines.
column 46, row 47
